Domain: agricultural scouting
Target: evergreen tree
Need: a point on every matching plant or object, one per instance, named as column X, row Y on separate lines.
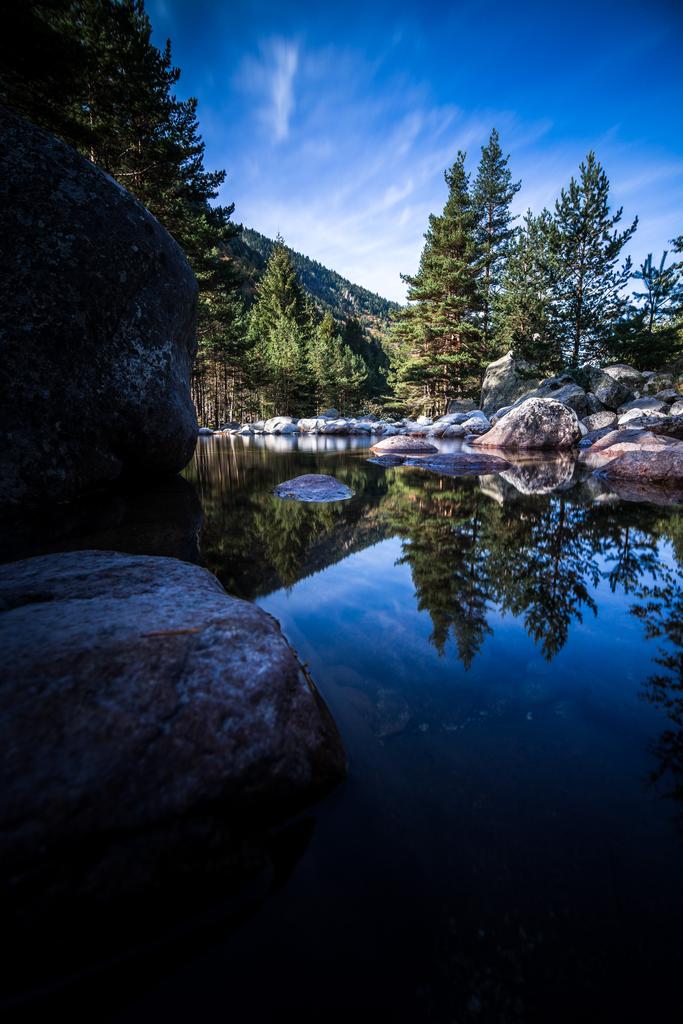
column 279, row 332
column 493, row 192
column 650, row 335
column 323, row 362
column 588, row 284
column 440, row 328
column 523, row 307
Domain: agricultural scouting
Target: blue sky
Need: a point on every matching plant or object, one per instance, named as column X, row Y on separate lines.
column 335, row 122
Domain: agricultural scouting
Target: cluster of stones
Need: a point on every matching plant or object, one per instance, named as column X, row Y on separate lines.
column 459, row 422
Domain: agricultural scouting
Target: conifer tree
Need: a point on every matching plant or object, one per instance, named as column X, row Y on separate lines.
column 650, row 334
column 523, row 310
column 323, row 362
column 493, row 191
column 279, row 331
column 587, row 245
column 440, row 327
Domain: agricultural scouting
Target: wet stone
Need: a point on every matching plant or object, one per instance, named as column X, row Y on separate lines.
column 313, row 487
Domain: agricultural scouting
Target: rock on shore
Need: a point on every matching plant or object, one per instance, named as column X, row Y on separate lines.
column 135, row 692
column 97, row 310
column 536, row 423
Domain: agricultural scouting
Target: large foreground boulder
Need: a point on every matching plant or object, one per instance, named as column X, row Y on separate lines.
column 506, row 380
column 134, row 693
column 97, row 311
column 536, row 423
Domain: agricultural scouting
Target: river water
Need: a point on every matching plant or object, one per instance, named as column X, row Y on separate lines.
column 505, row 669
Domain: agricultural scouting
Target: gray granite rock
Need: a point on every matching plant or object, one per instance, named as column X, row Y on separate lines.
column 460, row 463
column 136, row 692
column 313, row 487
column 536, row 423
column 506, row 380
column 402, row 445
column 97, row 314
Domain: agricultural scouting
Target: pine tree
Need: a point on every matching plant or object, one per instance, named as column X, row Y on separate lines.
column 323, row 359
column 440, row 328
column 589, row 284
column 279, row 333
column 650, row 334
column 523, row 311
column 492, row 194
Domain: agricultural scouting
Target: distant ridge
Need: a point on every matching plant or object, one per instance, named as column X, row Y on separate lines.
column 342, row 297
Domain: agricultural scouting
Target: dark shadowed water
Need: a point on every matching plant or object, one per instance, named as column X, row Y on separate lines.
column 506, row 671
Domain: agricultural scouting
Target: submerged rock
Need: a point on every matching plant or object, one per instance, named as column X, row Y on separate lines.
column 388, row 460
column 313, row 487
column 135, row 693
column 536, row 423
column 97, row 312
column 460, row 463
column 401, row 444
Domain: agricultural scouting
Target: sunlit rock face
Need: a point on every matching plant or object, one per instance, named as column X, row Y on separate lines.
column 600, row 420
column 506, row 380
column 536, row 423
column 97, row 312
column 136, row 693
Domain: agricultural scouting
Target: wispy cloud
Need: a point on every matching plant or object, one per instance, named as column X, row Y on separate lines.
column 354, row 185
column 271, row 76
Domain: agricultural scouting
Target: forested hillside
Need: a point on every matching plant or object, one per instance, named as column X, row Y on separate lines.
column 332, row 291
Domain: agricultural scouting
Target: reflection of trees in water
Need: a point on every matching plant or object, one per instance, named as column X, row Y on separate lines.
column 543, row 563
column 441, row 523
column 534, row 557
column 255, row 542
column 537, row 557
column 660, row 609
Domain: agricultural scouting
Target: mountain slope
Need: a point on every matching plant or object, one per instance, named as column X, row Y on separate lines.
column 344, row 299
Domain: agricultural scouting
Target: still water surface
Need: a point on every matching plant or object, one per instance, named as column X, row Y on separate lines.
column 505, row 670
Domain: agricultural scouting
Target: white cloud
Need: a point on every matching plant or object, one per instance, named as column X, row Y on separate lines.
column 271, row 77
column 353, row 187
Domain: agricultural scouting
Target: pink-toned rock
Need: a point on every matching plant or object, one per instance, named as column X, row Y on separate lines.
column 399, row 444
column 664, row 467
column 619, row 442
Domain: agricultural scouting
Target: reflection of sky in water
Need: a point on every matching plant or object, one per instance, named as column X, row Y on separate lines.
column 498, row 842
